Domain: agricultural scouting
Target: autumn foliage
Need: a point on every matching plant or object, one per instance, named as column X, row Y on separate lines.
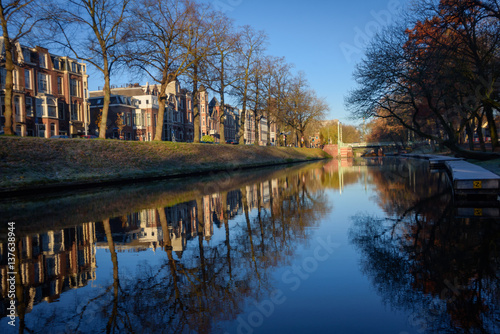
column 437, row 78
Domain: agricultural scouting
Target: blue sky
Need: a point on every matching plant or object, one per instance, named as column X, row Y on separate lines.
column 322, row 38
column 325, row 39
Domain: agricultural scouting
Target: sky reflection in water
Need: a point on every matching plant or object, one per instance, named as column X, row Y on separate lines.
column 366, row 246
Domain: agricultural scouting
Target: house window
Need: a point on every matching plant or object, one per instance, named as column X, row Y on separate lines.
column 52, row 107
column 29, row 107
column 60, row 109
column 15, row 79
column 3, row 75
column 60, row 85
column 43, row 60
column 55, row 62
column 41, row 130
column 27, row 55
column 127, row 119
column 149, row 119
column 52, row 129
column 17, row 108
column 27, row 79
column 73, row 86
column 43, row 83
column 74, row 111
column 39, row 108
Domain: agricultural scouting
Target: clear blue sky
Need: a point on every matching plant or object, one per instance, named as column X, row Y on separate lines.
column 325, row 39
column 322, row 38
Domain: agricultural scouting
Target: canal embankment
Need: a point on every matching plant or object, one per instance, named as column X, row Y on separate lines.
column 38, row 164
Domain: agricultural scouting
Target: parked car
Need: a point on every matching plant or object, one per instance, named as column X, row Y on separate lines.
column 88, row 137
column 231, row 142
column 60, row 137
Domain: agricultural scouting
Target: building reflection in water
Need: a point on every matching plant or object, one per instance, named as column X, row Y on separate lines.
column 218, row 252
column 51, row 263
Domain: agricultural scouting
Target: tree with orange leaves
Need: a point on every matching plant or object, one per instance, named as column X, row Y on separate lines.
column 435, row 78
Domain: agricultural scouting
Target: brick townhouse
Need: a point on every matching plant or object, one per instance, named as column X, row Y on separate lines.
column 50, row 93
column 231, row 121
column 137, row 107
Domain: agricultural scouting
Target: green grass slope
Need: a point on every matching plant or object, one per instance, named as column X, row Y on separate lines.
column 35, row 163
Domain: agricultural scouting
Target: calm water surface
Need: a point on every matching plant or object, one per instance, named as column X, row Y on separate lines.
column 370, row 246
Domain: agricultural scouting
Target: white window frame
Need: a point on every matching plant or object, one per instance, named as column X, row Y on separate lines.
column 43, row 60
column 27, row 79
column 43, row 88
column 51, row 104
column 29, row 110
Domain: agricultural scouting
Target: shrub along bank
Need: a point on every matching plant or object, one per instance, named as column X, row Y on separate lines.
column 38, row 163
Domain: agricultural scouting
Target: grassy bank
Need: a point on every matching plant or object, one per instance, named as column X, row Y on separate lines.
column 38, row 163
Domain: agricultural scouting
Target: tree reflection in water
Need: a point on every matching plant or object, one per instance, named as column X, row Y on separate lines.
column 202, row 280
column 425, row 258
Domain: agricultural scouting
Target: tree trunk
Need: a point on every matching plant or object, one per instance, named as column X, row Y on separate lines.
column 222, row 109
column 9, row 126
column 222, row 127
column 479, row 131
column 107, row 98
column 470, row 135
column 195, row 107
column 162, row 100
column 241, row 132
column 488, row 110
column 116, row 279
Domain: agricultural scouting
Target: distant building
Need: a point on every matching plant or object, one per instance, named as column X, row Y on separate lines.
column 138, row 109
column 263, row 130
column 49, row 95
column 231, row 121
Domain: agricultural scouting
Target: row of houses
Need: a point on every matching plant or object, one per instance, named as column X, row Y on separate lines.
column 51, row 97
column 56, row 261
column 49, row 93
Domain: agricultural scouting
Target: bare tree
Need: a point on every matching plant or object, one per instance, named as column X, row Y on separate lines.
column 18, row 19
column 257, row 91
column 273, row 82
column 95, row 31
column 250, row 45
column 224, row 42
column 302, row 107
column 165, row 45
column 201, row 30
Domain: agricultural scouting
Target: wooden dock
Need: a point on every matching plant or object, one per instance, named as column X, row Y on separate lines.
column 435, row 161
column 470, row 179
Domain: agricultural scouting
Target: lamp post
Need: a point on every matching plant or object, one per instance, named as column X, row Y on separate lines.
column 339, row 141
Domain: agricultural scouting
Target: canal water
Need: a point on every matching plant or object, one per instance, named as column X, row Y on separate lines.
column 368, row 246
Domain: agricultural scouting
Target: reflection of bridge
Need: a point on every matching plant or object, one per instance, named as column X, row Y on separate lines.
column 369, row 144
